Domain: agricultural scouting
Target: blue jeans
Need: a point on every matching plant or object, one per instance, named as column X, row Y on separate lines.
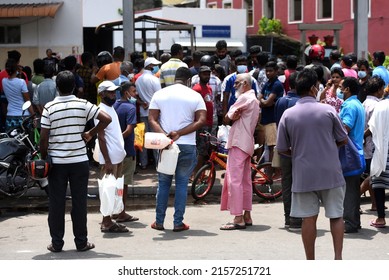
column 187, row 160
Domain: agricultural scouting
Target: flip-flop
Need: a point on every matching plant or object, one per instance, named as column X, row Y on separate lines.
column 232, row 226
column 157, row 226
column 129, row 218
column 115, row 228
column 181, row 228
column 87, row 247
column 376, row 225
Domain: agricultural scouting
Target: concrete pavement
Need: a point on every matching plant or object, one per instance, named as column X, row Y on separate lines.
column 25, row 235
column 24, row 232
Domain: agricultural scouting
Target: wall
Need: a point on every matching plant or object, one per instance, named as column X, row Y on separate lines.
column 198, row 17
column 62, row 33
column 378, row 21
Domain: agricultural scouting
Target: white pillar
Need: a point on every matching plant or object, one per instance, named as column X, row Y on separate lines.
column 128, row 28
column 361, row 11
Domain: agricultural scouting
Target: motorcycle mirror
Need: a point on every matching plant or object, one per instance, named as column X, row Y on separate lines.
column 26, row 105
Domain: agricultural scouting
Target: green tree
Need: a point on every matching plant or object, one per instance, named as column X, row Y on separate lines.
column 267, row 26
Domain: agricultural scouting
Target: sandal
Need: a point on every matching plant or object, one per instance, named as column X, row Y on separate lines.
column 377, row 225
column 115, row 228
column 128, row 218
column 87, row 247
column 51, row 248
column 157, row 226
column 181, row 228
column 232, row 226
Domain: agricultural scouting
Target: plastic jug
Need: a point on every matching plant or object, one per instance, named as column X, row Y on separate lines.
column 155, row 140
column 167, row 160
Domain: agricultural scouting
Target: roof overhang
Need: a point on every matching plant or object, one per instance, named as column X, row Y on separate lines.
column 117, row 25
column 29, row 10
column 209, row 42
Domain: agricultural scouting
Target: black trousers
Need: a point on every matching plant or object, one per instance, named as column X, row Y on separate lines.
column 77, row 175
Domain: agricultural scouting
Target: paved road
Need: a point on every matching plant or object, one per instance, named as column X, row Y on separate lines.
column 24, row 235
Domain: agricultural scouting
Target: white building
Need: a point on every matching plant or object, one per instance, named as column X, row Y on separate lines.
column 68, row 27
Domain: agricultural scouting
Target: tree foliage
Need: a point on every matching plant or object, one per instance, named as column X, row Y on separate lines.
column 267, row 26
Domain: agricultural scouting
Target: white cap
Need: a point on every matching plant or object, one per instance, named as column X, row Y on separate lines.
column 106, row 85
column 151, row 60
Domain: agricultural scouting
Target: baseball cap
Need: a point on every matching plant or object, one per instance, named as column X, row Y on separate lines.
column 205, row 68
column 106, row 85
column 151, row 60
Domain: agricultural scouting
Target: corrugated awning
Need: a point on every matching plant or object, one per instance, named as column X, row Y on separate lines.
column 144, row 19
column 177, row 2
column 29, row 10
column 209, row 43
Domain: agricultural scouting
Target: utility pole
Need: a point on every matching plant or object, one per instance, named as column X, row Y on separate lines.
column 361, row 11
column 128, row 28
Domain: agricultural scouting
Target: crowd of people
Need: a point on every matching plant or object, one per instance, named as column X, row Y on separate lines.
column 301, row 114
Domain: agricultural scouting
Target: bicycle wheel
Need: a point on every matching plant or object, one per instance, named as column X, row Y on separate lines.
column 203, row 181
column 265, row 185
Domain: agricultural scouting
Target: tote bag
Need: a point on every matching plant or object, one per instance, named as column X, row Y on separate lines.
column 351, row 159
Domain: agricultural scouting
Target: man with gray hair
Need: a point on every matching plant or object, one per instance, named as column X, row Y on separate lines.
column 237, row 190
column 126, row 68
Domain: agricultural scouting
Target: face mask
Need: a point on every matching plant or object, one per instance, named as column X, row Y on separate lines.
column 132, row 100
column 130, row 76
column 242, row 68
column 339, row 93
column 362, row 74
column 155, row 69
column 108, row 101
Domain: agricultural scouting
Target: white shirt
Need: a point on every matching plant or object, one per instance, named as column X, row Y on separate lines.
column 378, row 125
column 369, row 105
column 113, row 137
column 146, row 85
column 177, row 105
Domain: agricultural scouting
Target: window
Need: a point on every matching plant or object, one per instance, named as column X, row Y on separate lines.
column 368, row 8
column 212, row 5
column 227, row 4
column 10, row 34
column 268, row 8
column 248, row 5
column 295, row 10
column 324, row 9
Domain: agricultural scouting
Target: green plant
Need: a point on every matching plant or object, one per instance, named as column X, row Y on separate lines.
column 267, row 26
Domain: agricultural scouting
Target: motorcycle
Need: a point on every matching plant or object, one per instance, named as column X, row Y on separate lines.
column 16, row 149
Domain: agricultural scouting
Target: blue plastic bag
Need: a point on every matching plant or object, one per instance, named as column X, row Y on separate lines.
column 352, row 159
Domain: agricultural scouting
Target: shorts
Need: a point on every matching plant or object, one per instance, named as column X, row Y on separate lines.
column 202, row 143
column 117, row 170
column 13, row 122
column 270, row 134
column 269, row 131
column 129, row 164
column 307, row 204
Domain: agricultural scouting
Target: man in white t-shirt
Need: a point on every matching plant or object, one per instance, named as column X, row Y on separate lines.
column 111, row 143
column 178, row 111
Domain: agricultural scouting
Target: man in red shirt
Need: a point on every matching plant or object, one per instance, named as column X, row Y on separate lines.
column 206, row 92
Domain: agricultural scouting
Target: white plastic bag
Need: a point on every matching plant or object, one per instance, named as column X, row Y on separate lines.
column 118, row 206
column 167, row 161
column 111, row 195
column 96, row 151
column 222, row 133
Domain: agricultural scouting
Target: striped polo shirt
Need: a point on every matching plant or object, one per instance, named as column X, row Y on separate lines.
column 168, row 70
column 66, row 117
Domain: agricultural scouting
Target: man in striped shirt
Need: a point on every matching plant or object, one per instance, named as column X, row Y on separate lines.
column 63, row 140
column 168, row 69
